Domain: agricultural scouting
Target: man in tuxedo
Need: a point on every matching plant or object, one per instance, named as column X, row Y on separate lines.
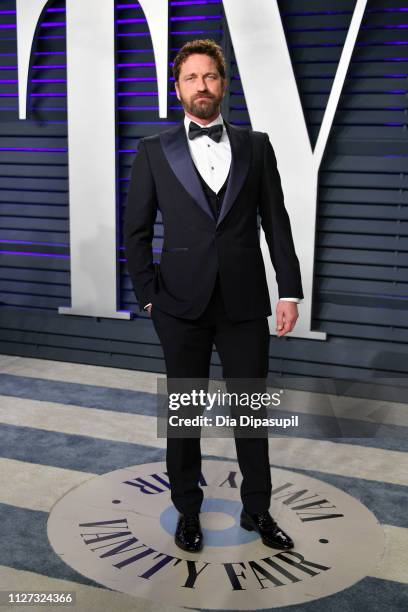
column 209, row 179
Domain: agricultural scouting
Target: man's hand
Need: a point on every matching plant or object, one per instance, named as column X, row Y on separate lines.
column 149, row 308
column 286, row 317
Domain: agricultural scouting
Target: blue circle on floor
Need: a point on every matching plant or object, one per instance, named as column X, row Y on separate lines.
column 231, row 536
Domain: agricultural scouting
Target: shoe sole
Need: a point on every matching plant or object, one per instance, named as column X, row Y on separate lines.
column 194, row 550
column 249, row 527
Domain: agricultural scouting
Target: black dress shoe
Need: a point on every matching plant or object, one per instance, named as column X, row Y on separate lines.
column 188, row 533
column 270, row 532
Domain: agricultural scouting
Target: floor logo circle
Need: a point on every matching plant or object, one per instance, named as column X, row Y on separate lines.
column 118, row 529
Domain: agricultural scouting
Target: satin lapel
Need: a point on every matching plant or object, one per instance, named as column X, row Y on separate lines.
column 240, row 160
column 175, row 147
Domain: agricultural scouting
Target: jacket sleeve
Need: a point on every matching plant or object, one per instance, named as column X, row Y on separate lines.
column 276, row 225
column 138, row 227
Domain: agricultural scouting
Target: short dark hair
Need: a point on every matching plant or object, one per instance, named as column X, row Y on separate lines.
column 204, row 46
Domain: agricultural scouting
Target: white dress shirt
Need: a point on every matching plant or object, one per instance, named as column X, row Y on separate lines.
column 212, row 160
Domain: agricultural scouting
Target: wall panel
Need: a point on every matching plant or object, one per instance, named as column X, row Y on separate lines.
column 361, row 259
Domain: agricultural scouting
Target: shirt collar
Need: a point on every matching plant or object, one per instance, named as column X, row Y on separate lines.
column 216, row 121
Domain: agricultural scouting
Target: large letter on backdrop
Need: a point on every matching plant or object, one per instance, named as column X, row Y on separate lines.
column 274, row 107
column 91, row 103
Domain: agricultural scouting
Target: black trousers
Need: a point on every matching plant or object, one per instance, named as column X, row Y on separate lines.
column 243, row 348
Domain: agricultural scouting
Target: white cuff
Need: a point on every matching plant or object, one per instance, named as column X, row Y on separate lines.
column 292, row 299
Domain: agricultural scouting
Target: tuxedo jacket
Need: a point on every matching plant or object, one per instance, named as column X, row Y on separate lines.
column 196, row 246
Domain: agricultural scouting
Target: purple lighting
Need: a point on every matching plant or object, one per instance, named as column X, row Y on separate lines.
column 153, row 107
column 35, row 254
column 138, row 93
column 48, row 150
column 196, row 18
column 45, row 24
column 135, row 64
column 185, row 3
column 135, row 20
column 34, row 95
column 137, row 79
column 137, row 5
column 207, row 32
column 51, row 38
column 147, row 122
column 48, row 95
column 134, row 34
column 53, row 24
column 184, row 18
column 53, row 66
column 48, row 80
column 54, row 244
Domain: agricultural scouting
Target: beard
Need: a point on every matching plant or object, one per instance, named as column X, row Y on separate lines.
column 203, row 109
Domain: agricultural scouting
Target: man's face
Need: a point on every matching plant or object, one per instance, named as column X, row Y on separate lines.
column 200, row 87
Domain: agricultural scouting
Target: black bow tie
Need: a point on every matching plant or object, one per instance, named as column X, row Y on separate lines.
column 214, row 132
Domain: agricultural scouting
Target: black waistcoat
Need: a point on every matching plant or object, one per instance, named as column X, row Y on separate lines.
column 214, row 199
